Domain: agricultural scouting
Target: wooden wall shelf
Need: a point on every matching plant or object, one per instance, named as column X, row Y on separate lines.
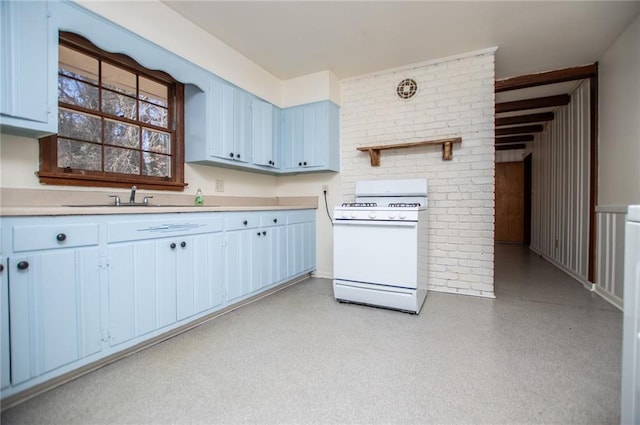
column 447, row 148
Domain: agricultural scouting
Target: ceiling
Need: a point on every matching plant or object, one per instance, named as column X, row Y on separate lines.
column 295, row 38
column 350, row 38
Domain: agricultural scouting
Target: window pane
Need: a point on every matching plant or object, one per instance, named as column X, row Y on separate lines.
column 156, row 141
column 154, row 115
column 156, row 165
column 118, row 160
column 153, row 92
column 118, row 79
column 78, row 65
column 75, row 92
column 79, row 155
column 121, row 134
column 118, row 104
column 78, row 125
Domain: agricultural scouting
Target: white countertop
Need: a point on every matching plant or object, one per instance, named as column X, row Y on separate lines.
column 66, row 210
column 32, row 202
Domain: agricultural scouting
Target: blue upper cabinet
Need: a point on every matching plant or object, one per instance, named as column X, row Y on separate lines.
column 28, row 68
column 262, row 134
column 310, row 137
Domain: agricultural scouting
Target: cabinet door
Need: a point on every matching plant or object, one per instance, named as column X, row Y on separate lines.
column 199, row 274
column 301, row 247
column 238, row 262
column 278, row 250
column 261, row 259
column 316, row 134
column 242, row 126
column 54, row 308
column 292, row 137
column 262, row 151
column 141, row 297
column 4, row 325
column 222, row 141
column 28, row 66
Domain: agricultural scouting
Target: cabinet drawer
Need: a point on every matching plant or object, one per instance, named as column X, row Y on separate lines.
column 30, row 238
column 123, row 231
column 301, row 216
column 275, row 218
column 239, row 221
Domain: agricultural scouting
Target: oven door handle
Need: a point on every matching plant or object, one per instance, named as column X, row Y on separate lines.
column 384, row 223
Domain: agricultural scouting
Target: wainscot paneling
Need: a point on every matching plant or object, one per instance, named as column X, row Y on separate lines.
column 560, row 200
column 610, row 253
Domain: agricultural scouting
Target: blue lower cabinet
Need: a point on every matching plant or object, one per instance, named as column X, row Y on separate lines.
column 135, row 292
column 54, row 308
column 238, row 265
column 301, row 242
column 199, row 274
column 77, row 289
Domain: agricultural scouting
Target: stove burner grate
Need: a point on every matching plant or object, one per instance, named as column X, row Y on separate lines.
column 359, row 204
column 404, row 205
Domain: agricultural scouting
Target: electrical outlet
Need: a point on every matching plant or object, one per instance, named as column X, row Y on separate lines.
column 219, row 185
column 325, row 189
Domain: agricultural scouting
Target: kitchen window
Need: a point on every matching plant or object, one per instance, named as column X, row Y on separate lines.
column 119, row 124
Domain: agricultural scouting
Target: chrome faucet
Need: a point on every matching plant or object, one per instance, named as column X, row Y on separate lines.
column 132, row 198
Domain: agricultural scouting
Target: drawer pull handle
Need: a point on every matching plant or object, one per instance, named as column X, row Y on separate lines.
column 173, row 245
column 23, row 265
column 61, row 237
column 183, row 244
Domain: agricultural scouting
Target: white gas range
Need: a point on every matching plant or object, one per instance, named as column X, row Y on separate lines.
column 380, row 245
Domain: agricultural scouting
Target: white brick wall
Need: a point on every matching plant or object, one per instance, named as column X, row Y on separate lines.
column 455, row 99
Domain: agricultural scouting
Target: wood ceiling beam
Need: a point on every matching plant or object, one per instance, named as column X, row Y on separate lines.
column 525, row 119
column 549, row 77
column 514, row 139
column 509, row 147
column 525, row 129
column 536, row 103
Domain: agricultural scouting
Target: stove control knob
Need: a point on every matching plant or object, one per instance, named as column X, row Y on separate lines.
column 354, row 214
column 392, row 215
column 403, row 216
column 345, row 214
column 372, row 214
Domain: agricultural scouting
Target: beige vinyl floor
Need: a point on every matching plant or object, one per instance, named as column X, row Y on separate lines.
column 545, row 351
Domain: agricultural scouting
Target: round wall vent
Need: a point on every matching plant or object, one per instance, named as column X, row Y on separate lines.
column 407, row 88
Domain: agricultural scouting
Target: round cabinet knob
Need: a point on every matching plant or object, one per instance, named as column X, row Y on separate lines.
column 61, row 237
column 231, row 154
column 173, row 245
column 183, row 244
column 275, row 220
column 299, row 164
column 23, row 265
column 372, row 214
column 1, row 268
column 238, row 156
column 258, row 233
column 245, row 222
column 264, row 233
column 304, row 163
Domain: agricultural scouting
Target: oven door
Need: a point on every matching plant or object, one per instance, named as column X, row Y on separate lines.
column 380, row 252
